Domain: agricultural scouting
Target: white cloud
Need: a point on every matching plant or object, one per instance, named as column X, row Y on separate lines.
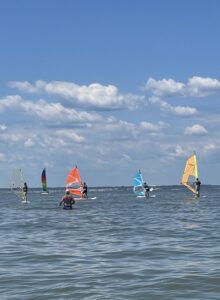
column 209, row 147
column 150, row 127
column 126, row 158
column 3, row 127
column 47, row 111
column 29, row 143
column 202, row 87
column 183, row 111
column 196, row 130
column 179, row 151
column 70, row 134
column 164, row 87
column 95, row 95
column 195, row 87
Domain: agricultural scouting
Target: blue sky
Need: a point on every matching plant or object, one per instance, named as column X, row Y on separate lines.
column 112, row 86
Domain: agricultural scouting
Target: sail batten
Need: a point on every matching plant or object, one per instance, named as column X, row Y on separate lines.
column 190, row 173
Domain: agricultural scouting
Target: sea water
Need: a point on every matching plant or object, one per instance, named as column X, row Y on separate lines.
column 116, row 246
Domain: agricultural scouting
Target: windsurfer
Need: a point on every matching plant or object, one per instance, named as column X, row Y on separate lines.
column 25, row 191
column 146, row 189
column 197, row 184
column 84, row 190
column 67, row 200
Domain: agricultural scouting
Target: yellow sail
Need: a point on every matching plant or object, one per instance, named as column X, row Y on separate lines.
column 190, row 173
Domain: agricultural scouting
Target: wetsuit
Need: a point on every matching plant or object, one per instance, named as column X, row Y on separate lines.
column 198, row 183
column 84, row 192
column 147, row 189
column 25, row 191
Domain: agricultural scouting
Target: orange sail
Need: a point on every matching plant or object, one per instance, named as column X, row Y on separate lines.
column 190, row 173
column 73, row 183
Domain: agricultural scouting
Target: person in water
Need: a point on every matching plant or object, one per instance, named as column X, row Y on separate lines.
column 67, row 200
column 84, row 190
column 146, row 189
column 197, row 184
column 25, row 191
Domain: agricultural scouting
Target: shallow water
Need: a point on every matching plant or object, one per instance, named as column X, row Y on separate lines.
column 114, row 247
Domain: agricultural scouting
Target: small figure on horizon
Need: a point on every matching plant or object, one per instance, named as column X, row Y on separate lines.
column 197, row 184
column 84, row 190
column 146, row 189
column 67, row 200
column 25, row 191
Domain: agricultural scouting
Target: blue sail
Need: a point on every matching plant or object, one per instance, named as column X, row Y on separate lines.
column 138, row 184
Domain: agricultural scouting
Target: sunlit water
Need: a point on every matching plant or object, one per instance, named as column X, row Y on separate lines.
column 113, row 247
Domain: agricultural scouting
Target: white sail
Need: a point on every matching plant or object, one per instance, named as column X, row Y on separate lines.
column 17, row 183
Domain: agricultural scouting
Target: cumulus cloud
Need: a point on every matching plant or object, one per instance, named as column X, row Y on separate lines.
column 202, row 87
column 70, row 134
column 209, row 147
column 95, row 95
column 195, row 130
column 164, row 87
column 184, row 111
column 3, row 127
column 150, row 127
column 195, row 87
column 47, row 111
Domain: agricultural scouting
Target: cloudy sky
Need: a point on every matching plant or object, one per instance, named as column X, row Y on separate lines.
column 112, row 86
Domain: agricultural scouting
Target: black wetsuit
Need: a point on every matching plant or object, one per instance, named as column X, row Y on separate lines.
column 84, row 192
column 147, row 189
column 197, row 183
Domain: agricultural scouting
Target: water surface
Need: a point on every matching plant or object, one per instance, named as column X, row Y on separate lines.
column 114, row 247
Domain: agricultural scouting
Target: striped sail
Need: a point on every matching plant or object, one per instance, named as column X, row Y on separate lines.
column 73, row 183
column 44, row 181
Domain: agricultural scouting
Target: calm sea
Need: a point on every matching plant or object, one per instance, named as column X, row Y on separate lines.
column 113, row 247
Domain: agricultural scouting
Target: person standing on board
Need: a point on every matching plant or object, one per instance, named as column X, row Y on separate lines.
column 197, row 184
column 84, row 190
column 146, row 189
column 25, row 191
column 67, row 200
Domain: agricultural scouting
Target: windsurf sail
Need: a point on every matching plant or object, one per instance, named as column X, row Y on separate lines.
column 138, row 184
column 190, row 173
column 44, row 181
column 17, row 183
column 74, row 183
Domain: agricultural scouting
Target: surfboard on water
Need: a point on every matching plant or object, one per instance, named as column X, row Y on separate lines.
column 16, row 184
